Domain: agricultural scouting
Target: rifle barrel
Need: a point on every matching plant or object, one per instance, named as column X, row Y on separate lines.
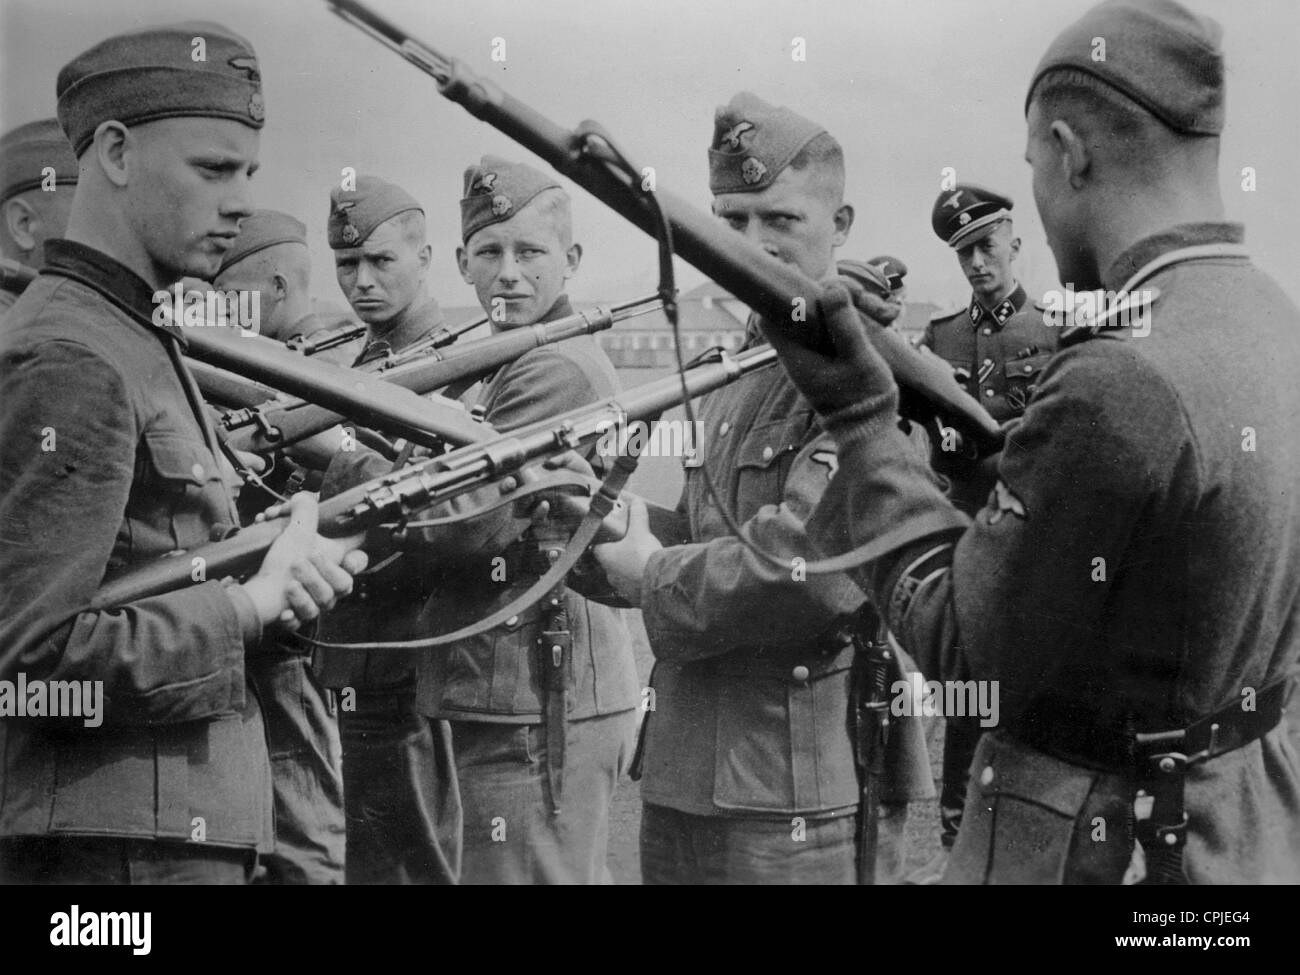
column 430, row 481
column 770, row 287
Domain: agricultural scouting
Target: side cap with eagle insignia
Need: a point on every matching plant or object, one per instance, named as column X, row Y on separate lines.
column 355, row 213
column 151, row 74
column 495, row 190
column 753, row 142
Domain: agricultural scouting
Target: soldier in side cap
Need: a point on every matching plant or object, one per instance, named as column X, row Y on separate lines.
column 270, row 257
column 173, row 785
column 381, row 259
column 997, row 346
column 749, row 729
column 1102, row 585
column 895, row 271
column 37, row 174
column 401, row 796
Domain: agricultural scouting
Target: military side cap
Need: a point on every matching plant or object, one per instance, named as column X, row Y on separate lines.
column 495, row 190
column 355, row 213
column 893, row 269
column 151, row 74
column 1158, row 53
column 26, row 151
column 866, row 274
column 968, row 213
column 263, row 229
column 752, row 142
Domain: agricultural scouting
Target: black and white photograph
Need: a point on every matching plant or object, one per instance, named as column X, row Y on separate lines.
column 676, row 442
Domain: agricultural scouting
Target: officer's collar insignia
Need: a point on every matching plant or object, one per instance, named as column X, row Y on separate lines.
column 732, row 137
column 501, row 205
column 976, row 312
column 246, row 63
column 1005, row 309
column 1004, row 501
column 752, row 170
column 829, row 458
column 485, row 182
column 256, row 107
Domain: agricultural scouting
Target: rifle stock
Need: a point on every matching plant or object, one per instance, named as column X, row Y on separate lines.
column 770, row 287
column 396, row 496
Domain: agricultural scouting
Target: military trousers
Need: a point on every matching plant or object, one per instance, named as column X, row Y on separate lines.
column 302, row 736
column 401, row 796
column 683, row 848
column 512, row 834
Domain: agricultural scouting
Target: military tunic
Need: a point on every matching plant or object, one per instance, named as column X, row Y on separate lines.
column 108, row 463
column 997, row 354
column 751, row 673
column 1140, row 550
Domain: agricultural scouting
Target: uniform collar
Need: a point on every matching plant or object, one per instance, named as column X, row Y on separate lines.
column 111, row 278
column 999, row 313
column 1175, row 238
column 417, row 323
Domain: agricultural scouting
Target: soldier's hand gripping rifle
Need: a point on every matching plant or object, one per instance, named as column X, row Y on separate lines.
column 275, row 424
column 780, row 293
column 391, row 500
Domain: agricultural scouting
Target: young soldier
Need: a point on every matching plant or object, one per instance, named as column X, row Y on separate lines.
column 37, row 174
column 544, row 760
column 403, row 807
column 748, row 768
column 109, row 463
column 1102, row 585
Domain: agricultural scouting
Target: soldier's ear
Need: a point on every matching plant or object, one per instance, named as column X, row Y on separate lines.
column 21, row 223
column 462, row 262
column 426, row 257
column 1073, row 152
column 843, row 223
column 113, row 146
column 572, row 258
column 280, row 285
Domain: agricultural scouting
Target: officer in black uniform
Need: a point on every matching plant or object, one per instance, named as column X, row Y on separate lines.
column 997, row 346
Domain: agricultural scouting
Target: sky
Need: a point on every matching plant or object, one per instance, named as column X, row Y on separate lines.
column 909, row 87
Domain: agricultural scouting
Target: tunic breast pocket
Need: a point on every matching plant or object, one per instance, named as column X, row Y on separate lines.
column 179, row 496
column 763, row 462
column 1022, row 379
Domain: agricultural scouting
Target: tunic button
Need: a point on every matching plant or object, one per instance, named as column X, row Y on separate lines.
column 988, row 362
column 988, row 331
column 988, row 392
column 198, row 472
column 986, row 777
column 767, row 453
column 1029, row 368
column 512, row 621
column 724, row 428
column 800, row 673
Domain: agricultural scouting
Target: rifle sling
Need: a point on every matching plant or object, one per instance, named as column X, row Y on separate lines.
column 601, row 504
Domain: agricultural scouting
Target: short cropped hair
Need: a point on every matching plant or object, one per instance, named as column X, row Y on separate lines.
column 825, row 154
column 1091, row 105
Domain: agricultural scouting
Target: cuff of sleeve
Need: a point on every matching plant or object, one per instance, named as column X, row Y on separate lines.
column 250, row 624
